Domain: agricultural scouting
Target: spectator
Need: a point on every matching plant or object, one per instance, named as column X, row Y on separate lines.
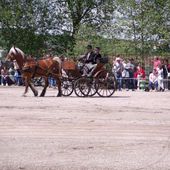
column 130, row 67
column 125, row 75
column 156, row 62
column 118, row 69
column 4, row 76
column 160, row 78
column 153, row 80
column 0, row 70
column 138, row 76
column 11, row 73
column 52, row 82
column 17, row 74
column 166, row 72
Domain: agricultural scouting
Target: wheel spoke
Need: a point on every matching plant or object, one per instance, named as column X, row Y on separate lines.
column 81, row 87
column 105, row 86
column 67, row 87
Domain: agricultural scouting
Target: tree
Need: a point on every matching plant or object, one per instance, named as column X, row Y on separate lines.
column 90, row 12
column 146, row 22
column 27, row 24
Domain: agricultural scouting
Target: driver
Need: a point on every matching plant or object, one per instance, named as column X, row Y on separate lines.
column 91, row 59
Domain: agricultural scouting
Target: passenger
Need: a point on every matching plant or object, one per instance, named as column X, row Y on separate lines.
column 97, row 55
column 91, row 59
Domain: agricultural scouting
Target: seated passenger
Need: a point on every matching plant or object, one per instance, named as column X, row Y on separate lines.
column 91, row 59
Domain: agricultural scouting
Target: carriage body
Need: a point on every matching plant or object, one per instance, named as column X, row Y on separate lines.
column 100, row 81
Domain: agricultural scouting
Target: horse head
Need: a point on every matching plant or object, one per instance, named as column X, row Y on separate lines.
column 16, row 54
column 11, row 55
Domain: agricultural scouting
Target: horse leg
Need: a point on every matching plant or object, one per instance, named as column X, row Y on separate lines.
column 26, row 87
column 33, row 89
column 59, row 87
column 45, row 88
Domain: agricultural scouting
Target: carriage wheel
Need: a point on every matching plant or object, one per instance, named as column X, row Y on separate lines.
column 105, row 85
column 67, row 87
column 81, row 87
column 92, row 89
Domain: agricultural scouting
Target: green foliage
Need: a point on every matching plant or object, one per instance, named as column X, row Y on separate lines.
column 67, row 26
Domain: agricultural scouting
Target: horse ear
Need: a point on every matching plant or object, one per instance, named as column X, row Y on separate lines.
column 15, row 49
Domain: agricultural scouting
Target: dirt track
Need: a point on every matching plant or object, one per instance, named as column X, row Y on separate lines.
column 129, row 131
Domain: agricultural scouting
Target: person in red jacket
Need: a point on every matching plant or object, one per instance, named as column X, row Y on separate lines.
column 139, row 75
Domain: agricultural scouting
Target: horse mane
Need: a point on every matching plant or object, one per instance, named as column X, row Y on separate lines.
column 16, row 50
column 20, row 52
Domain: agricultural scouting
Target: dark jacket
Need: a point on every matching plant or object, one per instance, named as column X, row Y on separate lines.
column 96, row 58
column 165, row 71
column 90, row 58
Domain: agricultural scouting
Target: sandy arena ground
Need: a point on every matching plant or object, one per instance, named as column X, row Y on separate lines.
column 129, row 131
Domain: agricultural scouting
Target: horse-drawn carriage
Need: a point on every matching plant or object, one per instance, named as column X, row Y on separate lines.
column 100, row 81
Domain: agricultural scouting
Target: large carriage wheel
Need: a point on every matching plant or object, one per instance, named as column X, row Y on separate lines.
column 92, row 86
column 81, row 87
column 105, row 84
column 67, row 87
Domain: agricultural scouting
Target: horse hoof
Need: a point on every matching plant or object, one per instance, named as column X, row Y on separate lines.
column 24, row 95
column 42, row 95
column 36, row 94
column 59, row 95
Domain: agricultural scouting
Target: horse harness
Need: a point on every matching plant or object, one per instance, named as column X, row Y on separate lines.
column 29, row 65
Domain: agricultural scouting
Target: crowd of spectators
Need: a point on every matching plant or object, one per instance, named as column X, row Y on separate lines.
column 132, row 75
column 10, row 74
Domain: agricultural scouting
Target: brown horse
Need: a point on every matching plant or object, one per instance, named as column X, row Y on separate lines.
column 30, row 68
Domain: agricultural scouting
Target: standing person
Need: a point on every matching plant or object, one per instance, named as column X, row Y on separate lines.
column 168, row 67
column 1, row 67
column 52, row 82
column 166, row 72
column 156, row 62
column 125, row 75
column 17, row 74
column 130, row 67
column 118, row 69
column 160, row 78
